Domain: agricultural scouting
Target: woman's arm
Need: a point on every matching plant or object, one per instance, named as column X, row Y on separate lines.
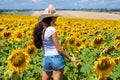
column 60, row 49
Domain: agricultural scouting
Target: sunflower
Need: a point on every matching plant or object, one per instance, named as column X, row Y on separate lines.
column 78, row 65
column 72, row 40
column 117, row 37
column 104, row 66
column 18, row 35
column 78, row 45
column 77, row 34
column 98, row 41
column 65, row 43
column 59, row 32
column 31, row 50
column 10, row 40
column 29, row 34
column 71, row 54
column 18, row 61
column 107, row 50
column 6, row 34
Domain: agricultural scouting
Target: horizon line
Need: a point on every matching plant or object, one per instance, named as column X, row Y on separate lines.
column 70, row 9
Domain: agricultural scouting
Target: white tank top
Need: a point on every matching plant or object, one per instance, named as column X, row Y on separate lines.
column 48, row 47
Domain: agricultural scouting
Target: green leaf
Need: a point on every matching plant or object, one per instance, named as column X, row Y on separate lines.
column 1, row 67
column 32, row 78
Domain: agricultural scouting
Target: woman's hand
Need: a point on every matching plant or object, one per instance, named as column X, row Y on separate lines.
column 74, row 59
column 51, row 9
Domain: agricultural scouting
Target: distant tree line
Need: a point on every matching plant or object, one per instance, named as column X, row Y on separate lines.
column 22, row 10
column 101, row 10
column 10, row 10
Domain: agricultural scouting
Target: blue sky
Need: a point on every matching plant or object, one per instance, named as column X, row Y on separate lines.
column 59, row 4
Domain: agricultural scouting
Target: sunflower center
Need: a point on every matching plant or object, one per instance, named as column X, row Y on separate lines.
column 7, row 34
column 97, row 32
column 98, row 40
column 29, row 34
column 105, row 64
column 78, row 44
column 110, row 49
column 64, row 33
column 18, row 59
column 117, row 37
column 1, row 29
column 71, row 41
column 30, row 50
column 19, row 35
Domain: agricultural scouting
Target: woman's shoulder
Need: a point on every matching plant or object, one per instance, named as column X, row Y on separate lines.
column 49, row 31
column 51, row 28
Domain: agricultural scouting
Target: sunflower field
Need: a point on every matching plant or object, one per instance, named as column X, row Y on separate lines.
column 95, row 42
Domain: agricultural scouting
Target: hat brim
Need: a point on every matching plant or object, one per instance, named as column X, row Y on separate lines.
column 41, row 17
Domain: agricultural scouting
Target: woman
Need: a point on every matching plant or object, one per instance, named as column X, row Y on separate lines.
column 45, row 36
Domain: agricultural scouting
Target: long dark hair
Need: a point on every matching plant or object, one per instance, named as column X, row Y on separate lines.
column 38, row 30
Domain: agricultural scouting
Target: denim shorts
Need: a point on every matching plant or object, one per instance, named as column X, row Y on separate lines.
column 51, row 63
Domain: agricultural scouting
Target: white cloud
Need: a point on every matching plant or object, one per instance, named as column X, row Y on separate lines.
column 35, row 1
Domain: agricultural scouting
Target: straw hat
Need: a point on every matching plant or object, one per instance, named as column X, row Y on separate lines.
column 47, row 14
